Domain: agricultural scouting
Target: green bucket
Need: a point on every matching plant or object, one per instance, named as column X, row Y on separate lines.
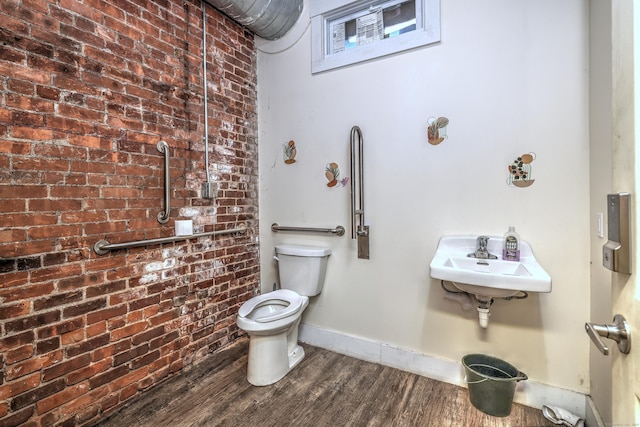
column 492, row 383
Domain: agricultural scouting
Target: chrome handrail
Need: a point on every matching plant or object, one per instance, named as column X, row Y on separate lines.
column 356, row 211
column 103, row 246
column 359, row 230
column 163, row 217
column 339, row 230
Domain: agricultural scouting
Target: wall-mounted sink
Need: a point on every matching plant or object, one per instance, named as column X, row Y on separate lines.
column 473, row 265
column 489, row 278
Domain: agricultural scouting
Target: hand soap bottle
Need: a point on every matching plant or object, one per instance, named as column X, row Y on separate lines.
column 511, row 248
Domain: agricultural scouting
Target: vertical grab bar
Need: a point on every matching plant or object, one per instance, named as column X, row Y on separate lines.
column 163, row 217
column 356, row 211
column 359, row 230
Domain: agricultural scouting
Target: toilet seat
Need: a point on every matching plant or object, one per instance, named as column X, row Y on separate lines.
column 294, row 300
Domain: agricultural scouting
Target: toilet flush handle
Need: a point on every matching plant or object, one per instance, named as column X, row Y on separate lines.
column 276, row 258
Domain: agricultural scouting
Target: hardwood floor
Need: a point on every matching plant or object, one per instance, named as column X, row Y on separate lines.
column 326, row 389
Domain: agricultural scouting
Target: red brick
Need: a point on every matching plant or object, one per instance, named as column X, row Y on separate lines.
column 20, row 353
column 93, row 168
column 121, row 192
column 96, row 329
column 54, row 272
column 12, row 250
column 60, row 328
column 110, row 350
column 18, row 418
column 108, row 376
column 12, row 55
column 126, row 356
column 68, row 124
column 84, row 308
column 160, row 367
column 29, row 220
column 61, row 397
column 54, row 231
column 130, row 378
column 88, row 345
column 66, row 367
column 106, row 288
column 80, row 113
column 72, row 337
column 128, row 331
column 34, row 364
column 164, row 317
column 14, row 310
column 106, row 314
column 145, row 360
column 22, row 72
column 12, row 191
column 79, row 281
column 128, row 391
column 47, row 345
column 20, row 386
column 32, row 322
column 88, row 141
column 48, row 92
column 33, row 104
column 86, row 400
column 53, row 259
column 31, row 133
column 57, row 300
column 150, row 311
column 144, row 302
column 128, row 295
column 89, row 372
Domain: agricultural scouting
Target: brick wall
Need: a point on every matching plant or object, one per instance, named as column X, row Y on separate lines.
column 87, row 89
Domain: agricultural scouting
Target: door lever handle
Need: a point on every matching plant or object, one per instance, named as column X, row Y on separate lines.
column 619, row 331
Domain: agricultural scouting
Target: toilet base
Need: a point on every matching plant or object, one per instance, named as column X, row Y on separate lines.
column 295, row 356
column 271, row 358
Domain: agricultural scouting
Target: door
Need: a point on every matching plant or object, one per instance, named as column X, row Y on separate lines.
column 625, row 291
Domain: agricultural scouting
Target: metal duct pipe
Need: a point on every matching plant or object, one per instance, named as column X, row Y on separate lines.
column 269, row 19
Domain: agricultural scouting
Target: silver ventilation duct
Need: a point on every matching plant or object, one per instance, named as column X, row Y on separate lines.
column 269, row 19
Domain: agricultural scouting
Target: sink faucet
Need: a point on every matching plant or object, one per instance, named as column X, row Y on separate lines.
column 481, row 251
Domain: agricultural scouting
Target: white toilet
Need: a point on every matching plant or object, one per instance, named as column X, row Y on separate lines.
column 271, row 320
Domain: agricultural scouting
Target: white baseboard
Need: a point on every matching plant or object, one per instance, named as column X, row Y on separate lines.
column 529, row 393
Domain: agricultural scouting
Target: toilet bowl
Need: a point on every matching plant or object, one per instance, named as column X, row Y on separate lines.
column 271, row 320
column 271, row 313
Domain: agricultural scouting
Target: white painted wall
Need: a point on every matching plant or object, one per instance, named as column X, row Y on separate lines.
column 512, row 77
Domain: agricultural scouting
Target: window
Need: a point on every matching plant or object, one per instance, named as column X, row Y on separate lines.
column 346, row 32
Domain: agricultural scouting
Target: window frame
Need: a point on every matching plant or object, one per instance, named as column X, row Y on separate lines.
column 323, row 12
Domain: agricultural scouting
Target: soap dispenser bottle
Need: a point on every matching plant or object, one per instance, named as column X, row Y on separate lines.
column 511, row 248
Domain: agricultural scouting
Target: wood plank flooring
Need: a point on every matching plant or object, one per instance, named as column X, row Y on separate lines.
column 326, row 389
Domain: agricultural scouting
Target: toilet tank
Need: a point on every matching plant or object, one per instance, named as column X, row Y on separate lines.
column 302, row 268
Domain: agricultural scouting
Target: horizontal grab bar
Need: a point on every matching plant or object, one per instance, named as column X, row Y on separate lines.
column 339, row 230
column 103, row 246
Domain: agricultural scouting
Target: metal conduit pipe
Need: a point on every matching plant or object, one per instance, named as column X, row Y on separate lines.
column 205, row 92
column 269, row 19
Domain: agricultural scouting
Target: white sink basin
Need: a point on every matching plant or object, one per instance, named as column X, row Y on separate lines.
column 487, row 277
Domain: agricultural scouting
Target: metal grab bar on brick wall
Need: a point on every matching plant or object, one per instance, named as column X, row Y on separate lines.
column 163, row 217
column 338, row 231
column 103, row 246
